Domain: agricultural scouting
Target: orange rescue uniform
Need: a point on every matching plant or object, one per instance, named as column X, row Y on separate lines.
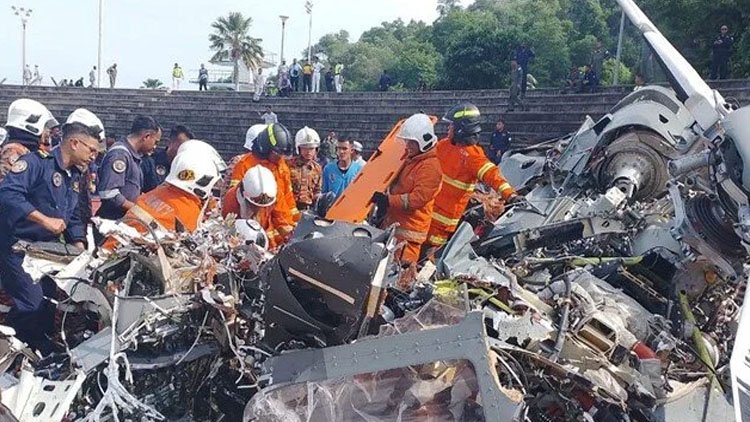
column 167, row 205
column 463, row 167
column 285, row 213
column 411, row 200
column 264, row 216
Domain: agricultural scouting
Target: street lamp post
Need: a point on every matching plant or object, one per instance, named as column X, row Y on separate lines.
column 283, row 30
column 99, row 55
column 308, row 8
column 619, row 49
column 24, row 14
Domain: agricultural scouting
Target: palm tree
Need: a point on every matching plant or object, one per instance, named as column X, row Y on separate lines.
column 231, row 41
column 152, row 84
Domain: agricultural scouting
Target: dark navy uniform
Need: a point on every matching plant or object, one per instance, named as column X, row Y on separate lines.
column 155, row 169
column 37, row 181
column 120, row 178
column 499, row 144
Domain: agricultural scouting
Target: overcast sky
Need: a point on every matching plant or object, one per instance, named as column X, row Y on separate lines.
column 146, row 37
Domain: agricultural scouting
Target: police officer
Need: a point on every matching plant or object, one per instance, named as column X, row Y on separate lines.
column 120, row 175
column 38, row 202
column 155, row 167
column 28, row 122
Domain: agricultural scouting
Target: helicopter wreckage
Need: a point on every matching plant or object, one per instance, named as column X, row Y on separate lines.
column 612, row 292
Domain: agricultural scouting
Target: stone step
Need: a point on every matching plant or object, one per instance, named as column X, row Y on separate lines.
column 223, row 117
column 736, row 83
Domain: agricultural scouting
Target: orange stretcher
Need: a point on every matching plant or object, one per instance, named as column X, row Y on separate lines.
column 378, row 174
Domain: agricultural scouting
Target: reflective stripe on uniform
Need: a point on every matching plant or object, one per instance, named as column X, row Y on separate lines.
column 505, row 186
column 411, row 235
column 295, row 211
column 271, row 135
column 466, row 113
column 233, row 183
column 484, row 169
column 109, row 194
column 445, row 220
column 469, row 187
column 405, row 201
column 437, row 240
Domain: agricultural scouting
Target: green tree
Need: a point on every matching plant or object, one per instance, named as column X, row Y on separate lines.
column 446, row 6
column 152, row 84
column 416, row 61
column 331, row 46
column 364, row 63
column 231, row 41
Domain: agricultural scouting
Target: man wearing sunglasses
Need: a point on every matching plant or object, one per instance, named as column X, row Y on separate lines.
column 39, row 203
column 120, row 175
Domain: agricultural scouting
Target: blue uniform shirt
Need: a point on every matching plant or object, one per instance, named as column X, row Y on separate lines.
column 335, row 180
column 38, row 181
column 155, row 169
column 500, row 143
column 120, row 178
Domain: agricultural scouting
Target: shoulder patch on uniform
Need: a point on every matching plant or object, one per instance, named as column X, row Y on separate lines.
column 161, row 170
column 19, row 166
column 57, row 179
column 119, row 166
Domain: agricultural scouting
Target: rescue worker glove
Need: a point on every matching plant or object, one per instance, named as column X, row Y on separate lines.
column 380, row 200
column 377, row 214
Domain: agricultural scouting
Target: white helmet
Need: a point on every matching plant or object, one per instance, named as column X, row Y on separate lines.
column 251, row 134
column 306, row 137
column 206, row 150
column 419, row 128
column 30, row 116
column 3, row 135
column 259, row 187
column 251, row 232
column 195, row 168
column 357, row 146
column 88, row 119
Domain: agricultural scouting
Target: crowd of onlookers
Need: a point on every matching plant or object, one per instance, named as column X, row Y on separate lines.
column 314, row 76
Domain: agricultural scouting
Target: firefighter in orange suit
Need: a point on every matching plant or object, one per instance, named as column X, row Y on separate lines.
column 268, row 150
column 254, row 200
column 411, row 198
column 180, row 202
column 464, row 164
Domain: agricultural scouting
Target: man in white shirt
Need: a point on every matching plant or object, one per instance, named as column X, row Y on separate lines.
column 259, row 80
column 357, row 153
column 269, row 117
column 317, row 71
column 92, row 78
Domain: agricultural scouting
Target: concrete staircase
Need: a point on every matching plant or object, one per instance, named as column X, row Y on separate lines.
column 223, row 117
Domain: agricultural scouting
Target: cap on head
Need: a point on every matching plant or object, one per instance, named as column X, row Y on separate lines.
column 30, row 116
column 89, row 120
column 196, row 168
column 275, row 138
column 259, row 186
column 419, row 128
column 252, row 133
column 357, row 147
column 466, row 121
column 306, row 137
